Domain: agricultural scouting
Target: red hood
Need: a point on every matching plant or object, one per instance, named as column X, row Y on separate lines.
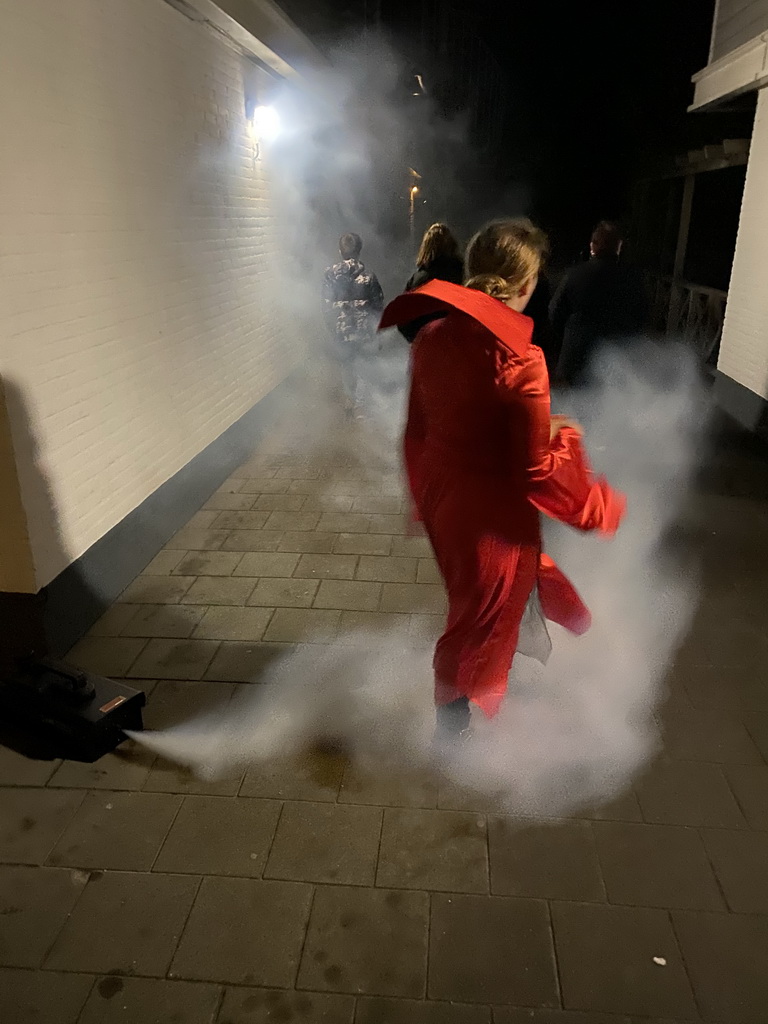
column 512, row 329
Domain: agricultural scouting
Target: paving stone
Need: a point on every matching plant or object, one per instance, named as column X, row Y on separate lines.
column 301, row 471
column 263, row 1006
column 307, row 543
column 125, row 923
column 229, row 502
column 624, row 807
column 757, row 725
column 161, row 620
column 175, row 702
column 750, row 784
column 215, row 835
column 316, row 485
column 259, row 929
column 24, row 1000
column 740, row 860
column 417, row 598
column 202, row 520
column 34, row 904
column 343, row 522
column 106, row 656
column 279, row 564
column 428, row 572
column 251, row 520
column 322, row 842
column 606, row 959
column 488, row 949
column 656, row 866
column 247, row 662
column 19, row 770
column 711, row 687
column 510, row 1015
column 333, row 567
column 328, row 503
column 197, row 540
column 379, row 504
column 690, row 735
column 452, row 797
column 234, row 623
column 411, row 1011
column 119, row 831
column 388, row 786
column 294, row 593
column 157, row 589
column 348, row 595
column 174, row 659
column 397, row 525
column 684, row 793
column 280, row 502
column 434, row 850
column 412, row 547
column 554, row 861
column 151, row 1001
column 315, row 776
column 291, row 521
column 167, row 777
column 364, row 628
column 114, row 620
column 426, row 629
column 208, row 563
column 367, row 941
column 264, row 485
column 220, row 590
column 125, row 768
column 363, row 544
column 303, row 625
column 387, row 570
column 31, row 821
column 725, row 955
column 252, row 540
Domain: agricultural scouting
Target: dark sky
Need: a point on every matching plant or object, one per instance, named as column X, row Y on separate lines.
column 596, row 92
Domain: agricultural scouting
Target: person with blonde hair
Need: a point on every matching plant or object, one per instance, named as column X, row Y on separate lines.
column 439, row 259
column 484, row 458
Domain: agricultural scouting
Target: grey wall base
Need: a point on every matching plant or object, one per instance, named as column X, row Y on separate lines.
column 83, row 592
column 747, row 408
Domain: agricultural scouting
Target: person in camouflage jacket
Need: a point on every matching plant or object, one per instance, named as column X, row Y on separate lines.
column 352, row 303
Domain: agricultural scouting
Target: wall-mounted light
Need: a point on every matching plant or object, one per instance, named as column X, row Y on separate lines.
column 263, row 124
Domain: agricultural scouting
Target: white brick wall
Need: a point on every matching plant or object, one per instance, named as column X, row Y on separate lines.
column 744, row 348
column 138, row 317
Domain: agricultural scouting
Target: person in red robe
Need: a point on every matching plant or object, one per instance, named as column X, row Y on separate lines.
column 484, row 457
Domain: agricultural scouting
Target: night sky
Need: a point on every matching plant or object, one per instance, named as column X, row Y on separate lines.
column 597, row 93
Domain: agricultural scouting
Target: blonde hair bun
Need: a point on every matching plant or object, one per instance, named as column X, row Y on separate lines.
column 493, row 285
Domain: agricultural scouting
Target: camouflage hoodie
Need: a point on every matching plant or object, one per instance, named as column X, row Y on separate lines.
column 352, row 302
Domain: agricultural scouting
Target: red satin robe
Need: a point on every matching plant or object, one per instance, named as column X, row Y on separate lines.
column 481, row 468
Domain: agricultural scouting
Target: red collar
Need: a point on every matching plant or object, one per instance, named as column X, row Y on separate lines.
column 512, row 329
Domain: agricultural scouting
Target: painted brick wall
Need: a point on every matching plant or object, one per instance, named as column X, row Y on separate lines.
column 138, row 313
column 738, row 21
column 744, row 348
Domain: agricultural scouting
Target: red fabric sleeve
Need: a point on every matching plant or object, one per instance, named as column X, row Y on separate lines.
column 560, row 479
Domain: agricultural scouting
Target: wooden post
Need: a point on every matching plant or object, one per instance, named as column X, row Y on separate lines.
column 682, row 245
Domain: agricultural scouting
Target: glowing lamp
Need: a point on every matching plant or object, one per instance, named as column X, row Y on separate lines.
column 266, row 123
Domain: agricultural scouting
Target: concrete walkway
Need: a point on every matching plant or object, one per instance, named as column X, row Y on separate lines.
column 132, row 892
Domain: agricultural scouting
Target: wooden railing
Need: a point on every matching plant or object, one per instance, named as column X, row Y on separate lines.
column 690, row 312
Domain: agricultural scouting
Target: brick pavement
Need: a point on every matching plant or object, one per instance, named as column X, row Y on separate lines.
column 308, row 890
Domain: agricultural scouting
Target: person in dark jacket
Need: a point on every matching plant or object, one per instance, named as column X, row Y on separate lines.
column 439, row 259
column 602, row 300
column 352, row 303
